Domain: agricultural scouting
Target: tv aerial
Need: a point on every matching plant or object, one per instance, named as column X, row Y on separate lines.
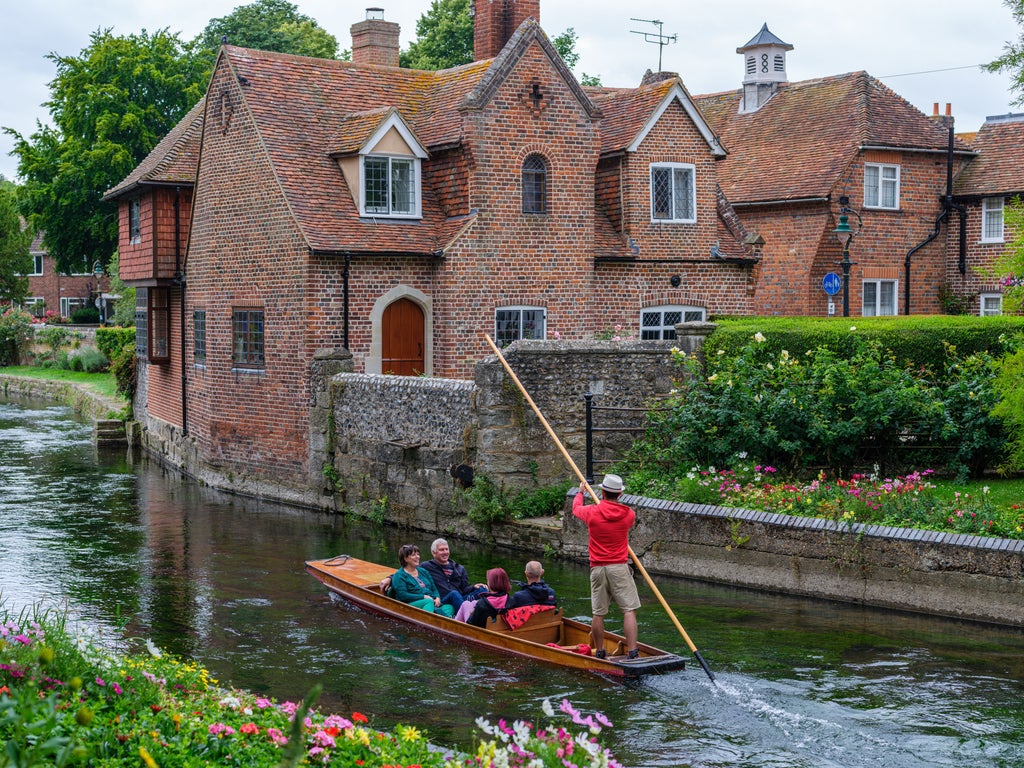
column 659, row 39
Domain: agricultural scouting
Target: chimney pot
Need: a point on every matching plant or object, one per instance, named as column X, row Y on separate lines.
column 935, row 109
column 949, row 109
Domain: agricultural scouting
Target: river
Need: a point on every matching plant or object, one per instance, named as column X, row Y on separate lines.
column 800, row 683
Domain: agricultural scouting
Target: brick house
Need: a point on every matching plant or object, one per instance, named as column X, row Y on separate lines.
column 798, row 153
column 49, row 289
column 982, row 192
column 306, row 204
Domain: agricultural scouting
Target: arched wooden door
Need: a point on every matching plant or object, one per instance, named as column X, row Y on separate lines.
column 402, row 339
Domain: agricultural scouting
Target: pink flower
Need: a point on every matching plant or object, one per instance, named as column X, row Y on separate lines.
column 262, row 703
column 219, row 729
column 277, row 737
column 116, row 688
column 99, row 681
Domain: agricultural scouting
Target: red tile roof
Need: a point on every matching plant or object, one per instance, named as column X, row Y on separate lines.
column 999, row 167
column 797, row 144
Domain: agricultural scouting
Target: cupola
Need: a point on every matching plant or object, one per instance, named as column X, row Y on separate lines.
column 764, row 67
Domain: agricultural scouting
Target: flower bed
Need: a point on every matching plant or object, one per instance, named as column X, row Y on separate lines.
column 65, row 701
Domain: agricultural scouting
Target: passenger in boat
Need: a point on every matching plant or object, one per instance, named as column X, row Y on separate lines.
column 492, row 602
column 451, row 578
column 412, row 584
column 608, row 523
column 535, row 592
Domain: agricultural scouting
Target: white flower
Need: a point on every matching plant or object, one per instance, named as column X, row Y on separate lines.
column 231, row 701
column 853, row 328
column 721, row 352
column 713, row 377
column 770, row 367
column 985, row 489
column 785, row 354
column 741, row 455
column 546, row 708
column 485, row 726
column 155, row 652
column 759, row 337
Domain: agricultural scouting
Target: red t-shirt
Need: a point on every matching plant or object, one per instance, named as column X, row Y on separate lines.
column 608, row 523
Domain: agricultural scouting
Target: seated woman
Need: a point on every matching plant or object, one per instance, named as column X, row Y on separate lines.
column 412, row 585
column 492, row 602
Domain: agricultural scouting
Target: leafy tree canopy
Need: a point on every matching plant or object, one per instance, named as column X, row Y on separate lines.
column 15, row 239
column 269, row 25
column 444, row 39
column 1012, row 60
column 110, row 105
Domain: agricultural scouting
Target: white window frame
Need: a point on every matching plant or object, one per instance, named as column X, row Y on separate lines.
column 985, row 302
column 69, row 304
column 665, row 328
column 874, row 196
column 37, row 265
column 992, row 209
column 502, row 328
column 875, row 310
column 416, row 211
column 675, row 169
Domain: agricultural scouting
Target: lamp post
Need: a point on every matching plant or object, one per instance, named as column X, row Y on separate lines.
column 97, row 271
column 845, row 234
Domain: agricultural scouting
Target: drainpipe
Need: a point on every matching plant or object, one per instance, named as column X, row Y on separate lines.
column 348, row 263
column 947, row 206
column 179, row 278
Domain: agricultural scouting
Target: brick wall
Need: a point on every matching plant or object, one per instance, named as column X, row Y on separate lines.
column 979, row 276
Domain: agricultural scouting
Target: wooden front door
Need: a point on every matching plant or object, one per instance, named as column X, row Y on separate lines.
column 402, row 339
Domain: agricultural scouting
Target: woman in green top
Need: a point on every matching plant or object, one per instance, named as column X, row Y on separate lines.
column 414, row 586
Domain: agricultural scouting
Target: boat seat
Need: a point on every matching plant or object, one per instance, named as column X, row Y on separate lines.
column 544, row 627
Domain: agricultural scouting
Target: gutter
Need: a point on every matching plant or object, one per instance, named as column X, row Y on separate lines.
column 789, row 201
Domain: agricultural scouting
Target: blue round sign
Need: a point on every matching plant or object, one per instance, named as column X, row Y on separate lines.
column 831, row 283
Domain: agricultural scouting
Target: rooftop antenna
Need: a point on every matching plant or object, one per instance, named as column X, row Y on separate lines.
column 657, row 38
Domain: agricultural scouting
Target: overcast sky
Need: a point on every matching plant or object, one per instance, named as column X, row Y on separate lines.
column 926, row 51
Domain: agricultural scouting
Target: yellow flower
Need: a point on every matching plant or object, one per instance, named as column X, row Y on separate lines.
column 147, row 758
column 409, row 732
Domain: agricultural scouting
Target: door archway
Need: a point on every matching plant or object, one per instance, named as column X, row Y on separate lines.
column 402, row 339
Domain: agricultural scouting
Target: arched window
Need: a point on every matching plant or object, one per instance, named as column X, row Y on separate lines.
column 535, row 184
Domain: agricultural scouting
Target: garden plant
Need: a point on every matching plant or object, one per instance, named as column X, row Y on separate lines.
column 67, row 700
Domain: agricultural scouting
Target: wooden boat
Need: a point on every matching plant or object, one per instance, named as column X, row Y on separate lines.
column 358, row 581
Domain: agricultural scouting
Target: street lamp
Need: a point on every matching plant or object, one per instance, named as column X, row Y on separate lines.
column 845, row 234
column 97, row 270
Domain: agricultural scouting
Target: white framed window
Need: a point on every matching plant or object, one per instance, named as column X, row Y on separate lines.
column 70, row 304
column 37, row 265
column 660, row 322
column 992, row 220
column 881, row 186
column 391, row 186
column 514, row 323
column 36, row 305
column 879, row 298
column 990, row 304
column 673, row 193
column 135, row 221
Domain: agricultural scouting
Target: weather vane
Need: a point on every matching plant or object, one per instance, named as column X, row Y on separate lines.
column 659, row 39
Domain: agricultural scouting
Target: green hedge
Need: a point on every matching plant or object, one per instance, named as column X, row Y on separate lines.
column 111, row 340
column 918, row 341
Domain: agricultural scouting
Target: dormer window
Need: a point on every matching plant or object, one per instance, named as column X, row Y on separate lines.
column 391, row 186
column 673, row 193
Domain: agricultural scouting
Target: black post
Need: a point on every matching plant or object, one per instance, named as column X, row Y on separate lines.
column 845, row 263
column 589, row 398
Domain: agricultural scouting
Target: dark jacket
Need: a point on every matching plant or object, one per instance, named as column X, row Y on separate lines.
column 489, row 605
column 451, row 577
column 537, row 593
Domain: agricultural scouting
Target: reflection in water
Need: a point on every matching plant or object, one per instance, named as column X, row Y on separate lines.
column 219, row 579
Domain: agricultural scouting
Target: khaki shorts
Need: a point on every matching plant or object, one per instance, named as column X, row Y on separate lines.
column 612, row 582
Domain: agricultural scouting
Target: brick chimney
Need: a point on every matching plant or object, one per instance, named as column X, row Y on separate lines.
column 375, row 41
column 494, row 21
column 946, row 119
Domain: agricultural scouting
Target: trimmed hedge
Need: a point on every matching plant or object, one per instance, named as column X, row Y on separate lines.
column 918, row 341
column 112, row 339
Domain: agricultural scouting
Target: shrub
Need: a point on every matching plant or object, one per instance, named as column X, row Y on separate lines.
column 112, row 338
column 85, row 316
column 88, row 360
column 15, row 335
column 55, row 337
column 122, row 365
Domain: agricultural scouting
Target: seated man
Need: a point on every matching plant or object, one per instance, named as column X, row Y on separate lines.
column 451, row 578
column 535, row 592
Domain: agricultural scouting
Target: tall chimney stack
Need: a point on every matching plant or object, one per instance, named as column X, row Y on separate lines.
column 494, row 22
column 375, row 41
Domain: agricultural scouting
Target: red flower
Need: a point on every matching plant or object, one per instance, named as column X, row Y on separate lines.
column 359, row 717
column 250, row 728
column 155, row 707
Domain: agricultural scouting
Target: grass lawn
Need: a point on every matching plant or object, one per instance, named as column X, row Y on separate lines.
column 1003, row 492
column 101, row 383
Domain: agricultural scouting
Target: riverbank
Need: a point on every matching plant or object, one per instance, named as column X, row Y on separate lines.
column 957, row 575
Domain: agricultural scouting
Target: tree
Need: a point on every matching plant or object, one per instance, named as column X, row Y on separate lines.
column 444, row 39
column 1012, row 60
column 110, row 106
column 269, row 25
column 15, row 241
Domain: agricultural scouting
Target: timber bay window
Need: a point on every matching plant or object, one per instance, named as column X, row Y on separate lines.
column 135, row 221
column 673, row 193
column 660, row 322
column 881, row 186
column 535, row 184
column 992, row 220
column 247, row 339
column 879, row 298
column 514, row 323
column 159, row 350
column 391, row 186
column 199, row 337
